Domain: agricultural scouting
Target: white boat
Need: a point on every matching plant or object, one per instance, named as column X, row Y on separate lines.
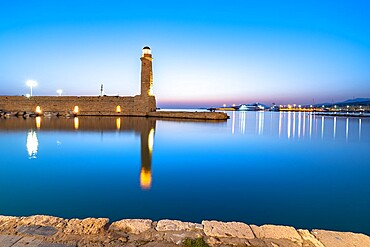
column 252, row 107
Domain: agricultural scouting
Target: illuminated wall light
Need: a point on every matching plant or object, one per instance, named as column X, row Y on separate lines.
column 76, row 123
column 38, row 110
column 118, row 109
column 76, row 109
column 38, row 122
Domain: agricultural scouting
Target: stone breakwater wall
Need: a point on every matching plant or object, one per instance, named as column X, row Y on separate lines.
column 189, row 115
column 96, row 106
column 43, row 231
column 87, row 105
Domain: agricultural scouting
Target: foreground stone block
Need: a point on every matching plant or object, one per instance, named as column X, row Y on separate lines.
column 176, row 225
column 177, row 237
column 28, row 242
column 7, row 222
column 45, row 244
column 86, row 226
column 341, row 239
column 309, row 239
column 7, row 218
column 43, row 220
column 277, row 232
column 227, row 229
column 37, row 230
column 135, row 226
column 7, row 240
column 282, row 242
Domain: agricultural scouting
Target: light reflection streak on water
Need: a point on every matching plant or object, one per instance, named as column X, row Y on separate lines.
column 359, row 129
column 271, row 120
column 261, row 120
column 322, row 127
column 118, row 123
column 151, row 140
column 294, row 124
column 38, row 122
column 280, row 122
column 299, row 124
column 288, row 127
column 335, row 127
column 76, row 123
column 242, row 121
column 347, row 123
column 310, row 125
column 304, row 124
column 233, row 124
column 32, row 144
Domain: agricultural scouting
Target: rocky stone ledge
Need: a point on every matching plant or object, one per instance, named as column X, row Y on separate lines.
column 49, row 231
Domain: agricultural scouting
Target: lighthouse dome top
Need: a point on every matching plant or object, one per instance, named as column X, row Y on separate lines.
column 147, row 52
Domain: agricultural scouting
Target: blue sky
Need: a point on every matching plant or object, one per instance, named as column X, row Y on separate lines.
column 205, row 52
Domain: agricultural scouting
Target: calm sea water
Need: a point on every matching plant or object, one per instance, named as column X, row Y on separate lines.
column 257, row 167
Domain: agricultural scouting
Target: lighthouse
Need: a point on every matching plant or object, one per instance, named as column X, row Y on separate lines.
column 145, row 102
column 146, row 72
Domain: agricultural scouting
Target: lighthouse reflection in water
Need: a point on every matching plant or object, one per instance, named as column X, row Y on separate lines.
column 132, row 124
column 256, row 167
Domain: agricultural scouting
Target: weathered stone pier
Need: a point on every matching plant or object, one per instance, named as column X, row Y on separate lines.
column 49, row 231
column 139, row 105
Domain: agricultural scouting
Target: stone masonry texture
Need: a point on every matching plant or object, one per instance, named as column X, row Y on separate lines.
column 49, row 231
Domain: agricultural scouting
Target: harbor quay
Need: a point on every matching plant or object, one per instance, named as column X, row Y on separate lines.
column 139, row 105
column 49, row 231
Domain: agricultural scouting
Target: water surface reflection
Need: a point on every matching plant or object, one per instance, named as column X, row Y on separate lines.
column 294, row 169
column 292, row 125
column 144, row 127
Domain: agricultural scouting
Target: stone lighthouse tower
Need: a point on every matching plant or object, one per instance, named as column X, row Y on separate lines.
column 146, row 72
column 145, row 102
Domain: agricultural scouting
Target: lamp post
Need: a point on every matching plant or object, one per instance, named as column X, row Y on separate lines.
column 31, row 84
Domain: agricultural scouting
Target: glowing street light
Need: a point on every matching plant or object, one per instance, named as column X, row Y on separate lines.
column 59, row 92
column 31, row 84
